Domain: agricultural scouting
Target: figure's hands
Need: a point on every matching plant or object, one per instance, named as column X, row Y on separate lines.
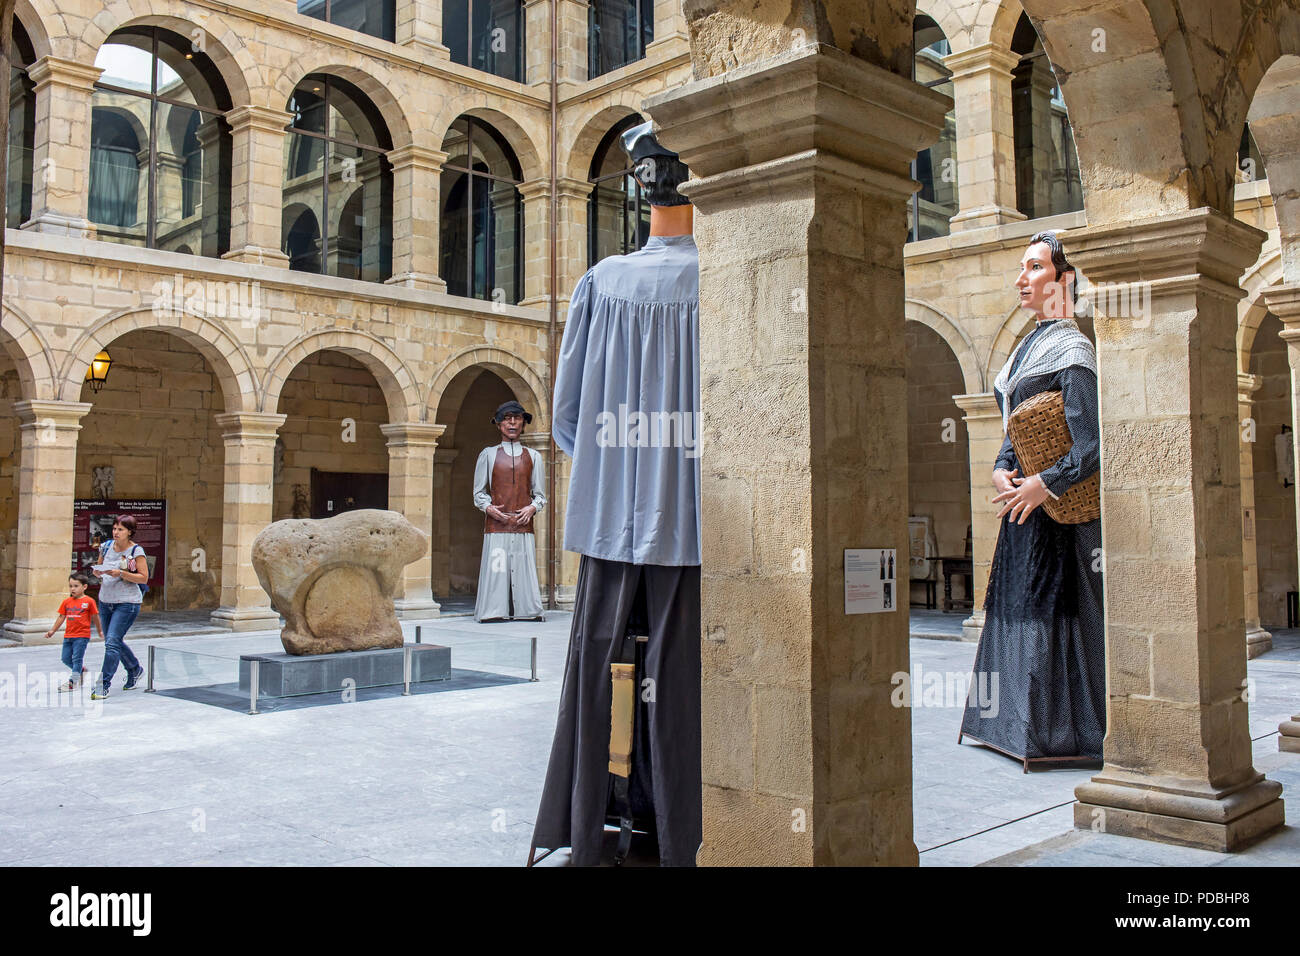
column 1020, row 502
column 496, row 514
column 525, row 514
column 1002, row 480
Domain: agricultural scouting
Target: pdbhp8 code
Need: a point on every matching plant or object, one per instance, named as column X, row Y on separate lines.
column 1223, row 897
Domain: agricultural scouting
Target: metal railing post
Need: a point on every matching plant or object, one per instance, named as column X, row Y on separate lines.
column 406, row 670
column 254, row 680
column 148, row 687
column 534, row 662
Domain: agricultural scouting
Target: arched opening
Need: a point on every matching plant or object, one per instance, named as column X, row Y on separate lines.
column 938, row 461
column 482, row 214
column 466, row 408
column 618, row 215
column 1273, row 459
column 22, row 129
column 1047, row 166
column 10, row 463
column 334, row 161
column 151, row 443
column 935, row 203
column 160, row 157
column 486, row 35
column 331, row 456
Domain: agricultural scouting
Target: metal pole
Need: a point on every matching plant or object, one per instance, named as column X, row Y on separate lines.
column 418, row 627
column 254, row 675
column 534, row 662
column 406, row 671
column 148, row 687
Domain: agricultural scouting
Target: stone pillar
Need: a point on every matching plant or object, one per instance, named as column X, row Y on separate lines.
column 571, row 54
column 984, row 434
column 1177, row 752
column 540, row 442
column 535, row 247
column 247, row 495
column 417, row 179
column 670, row 35
column 410, row 492
column 801, row 163
column 419, row 26
column 257, row 185
column 572, row 253
column 1284, row 302
column 61, row 157
column 986, row 147
column 1258, row 640
column 46, row 479
column 440, row 545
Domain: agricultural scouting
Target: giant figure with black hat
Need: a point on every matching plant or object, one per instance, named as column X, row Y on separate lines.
column 627, row 740
column 508, row 489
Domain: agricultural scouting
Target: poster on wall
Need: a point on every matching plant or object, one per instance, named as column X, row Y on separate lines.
column 870, row 583
column 92, row 525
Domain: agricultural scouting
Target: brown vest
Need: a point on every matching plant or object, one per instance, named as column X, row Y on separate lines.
column 512, row 480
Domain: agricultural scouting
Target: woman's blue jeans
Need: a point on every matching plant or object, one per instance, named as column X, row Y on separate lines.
column 116, row 620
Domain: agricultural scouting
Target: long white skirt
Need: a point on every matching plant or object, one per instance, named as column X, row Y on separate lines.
column 507, row 578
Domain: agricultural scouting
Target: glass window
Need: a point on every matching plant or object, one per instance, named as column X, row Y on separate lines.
column 160, row 149
column 487, row 35
column 337, row 211
column 22, row 130
column 1250, row 163
column 482, row 214
column 934, row 168
column 618, row 216
column 618, row 31
column 377, row 18
column 1047, row 167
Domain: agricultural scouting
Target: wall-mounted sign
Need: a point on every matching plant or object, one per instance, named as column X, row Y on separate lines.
column 870, row 585
column 92, row 525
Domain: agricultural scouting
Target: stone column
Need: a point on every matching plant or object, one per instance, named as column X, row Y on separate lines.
column 535, row 247
column 61, row 157
column 986, row 146
column 46, row 481
column 247, row 496
column 1177, row 752
column 417, row 179
column 410, row 492
column 257, row 185
column 540, row 442
column 984, row 434
column 1258, row 640
column 670, row 35
column 571, row 57
column 440, row 545
column 801, row 164
column 572, row 253
column 419, row 26
column 1284, row 302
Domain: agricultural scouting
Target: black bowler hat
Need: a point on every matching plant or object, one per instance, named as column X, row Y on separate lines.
column 640, row 143
column 511, row 407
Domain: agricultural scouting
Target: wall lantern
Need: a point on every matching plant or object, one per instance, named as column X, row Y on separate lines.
column 97, row 374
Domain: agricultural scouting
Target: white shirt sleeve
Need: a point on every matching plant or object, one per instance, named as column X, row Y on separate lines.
column 482, row 479
column 538, row 483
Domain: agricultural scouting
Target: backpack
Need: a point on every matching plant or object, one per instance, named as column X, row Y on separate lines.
column 103, row 554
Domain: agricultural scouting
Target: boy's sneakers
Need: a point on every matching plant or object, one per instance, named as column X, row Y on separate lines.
column 99, row 693
column 133, row 679
column 72, row 683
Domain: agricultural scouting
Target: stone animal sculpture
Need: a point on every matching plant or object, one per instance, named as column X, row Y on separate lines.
column 334, row 579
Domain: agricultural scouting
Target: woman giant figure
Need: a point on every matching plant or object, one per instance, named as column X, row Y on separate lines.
column 1040, row 666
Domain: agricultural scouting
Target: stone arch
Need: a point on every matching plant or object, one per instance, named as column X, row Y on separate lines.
column 1014, row 327
column 447, row 392
column 394, row 378
column 223, row 45
column 577, row 154
column 1274, row 117
column 1149, row 154
column 525, row 149
column 960, row 34
column 375, row 80
column 25, row 345
column 227, row 357
column 35, row 16
column 962, row 347
column 999, row 28
column 1252, row 309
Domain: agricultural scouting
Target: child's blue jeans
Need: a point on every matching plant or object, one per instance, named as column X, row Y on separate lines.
column 74, row 650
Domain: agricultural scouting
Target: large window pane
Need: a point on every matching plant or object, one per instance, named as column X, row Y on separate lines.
column 935, row 203
column 193, row 192
column 487, row 35
column 126, row 62
column 303, row 210
column 119, row 156
column 360, row 204
column 618, row 32
column 618, row 216
column 376, row 18
column 1047, row 168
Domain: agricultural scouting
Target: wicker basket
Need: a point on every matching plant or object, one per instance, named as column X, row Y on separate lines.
column 1040, row 438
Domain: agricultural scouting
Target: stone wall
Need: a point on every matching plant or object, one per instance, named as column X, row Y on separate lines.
column 1275, row 521
column 10, row 392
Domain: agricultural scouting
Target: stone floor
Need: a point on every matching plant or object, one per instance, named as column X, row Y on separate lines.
column 452, row 774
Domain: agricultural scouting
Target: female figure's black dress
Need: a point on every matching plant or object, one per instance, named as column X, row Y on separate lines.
column 1043, row 640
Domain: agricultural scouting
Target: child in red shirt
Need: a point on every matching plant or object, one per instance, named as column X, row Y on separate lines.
column 79, row 610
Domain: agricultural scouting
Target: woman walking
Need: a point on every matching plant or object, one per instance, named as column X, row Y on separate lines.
column 126, row 569
column 1041, row 656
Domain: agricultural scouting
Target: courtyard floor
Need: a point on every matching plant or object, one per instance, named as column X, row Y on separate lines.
column 452, row 774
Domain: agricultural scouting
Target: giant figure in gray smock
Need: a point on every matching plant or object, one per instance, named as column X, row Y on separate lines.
column 508, row 489
column 627, row 412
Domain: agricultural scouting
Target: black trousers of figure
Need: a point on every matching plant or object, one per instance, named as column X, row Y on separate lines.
column 575, row 796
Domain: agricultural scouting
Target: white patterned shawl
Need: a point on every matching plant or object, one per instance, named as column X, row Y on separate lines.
column 1058, row 346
